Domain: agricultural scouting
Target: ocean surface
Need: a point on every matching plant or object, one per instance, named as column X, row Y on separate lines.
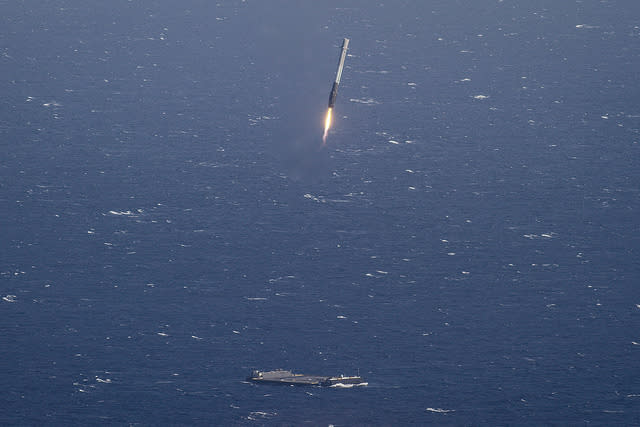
column 468, row 239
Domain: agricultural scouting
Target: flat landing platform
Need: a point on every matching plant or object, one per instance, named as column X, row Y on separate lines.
column 297, row 379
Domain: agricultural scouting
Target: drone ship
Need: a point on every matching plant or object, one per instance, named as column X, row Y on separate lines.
column 285, row 377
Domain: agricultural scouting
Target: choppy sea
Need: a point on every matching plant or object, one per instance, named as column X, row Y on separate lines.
column 467, row 240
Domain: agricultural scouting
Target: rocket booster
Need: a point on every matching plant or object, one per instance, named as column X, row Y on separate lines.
column 334, row 88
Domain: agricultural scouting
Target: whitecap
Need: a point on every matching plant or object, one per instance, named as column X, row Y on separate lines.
column 365, row 101
column 9, row 298
column 340, row 385
column 439, row 410
column 549, row 235
column 312, row 197
column 255, row 415
column 126, row 213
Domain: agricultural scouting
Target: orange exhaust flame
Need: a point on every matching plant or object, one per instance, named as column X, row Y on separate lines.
column 327, row 125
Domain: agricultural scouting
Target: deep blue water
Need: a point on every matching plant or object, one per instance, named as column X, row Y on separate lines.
column 468, row 239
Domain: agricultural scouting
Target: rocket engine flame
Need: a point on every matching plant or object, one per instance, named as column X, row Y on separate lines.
column 327, row 125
